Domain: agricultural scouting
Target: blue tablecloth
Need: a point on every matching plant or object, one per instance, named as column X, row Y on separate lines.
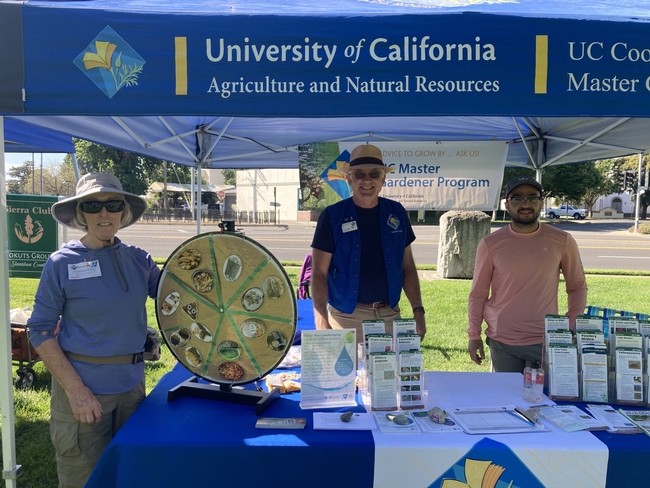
column 196, row 442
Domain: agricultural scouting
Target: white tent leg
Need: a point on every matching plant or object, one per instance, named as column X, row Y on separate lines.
column 199, row 212
column 638, row 194
column 10, row 470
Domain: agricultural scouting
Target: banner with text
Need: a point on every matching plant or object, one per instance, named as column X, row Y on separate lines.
column 204, row 63
column 421, row 175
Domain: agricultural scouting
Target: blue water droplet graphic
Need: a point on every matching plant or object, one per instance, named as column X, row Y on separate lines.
column 344, row 364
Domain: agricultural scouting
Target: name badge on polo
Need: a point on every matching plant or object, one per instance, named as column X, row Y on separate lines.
column 81, row 271
column 349, row 226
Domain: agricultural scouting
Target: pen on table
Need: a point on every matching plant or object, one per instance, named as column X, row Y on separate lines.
column 520, row 416
column 532, row 413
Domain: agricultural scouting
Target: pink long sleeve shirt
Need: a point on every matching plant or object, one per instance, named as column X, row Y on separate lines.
column 516, row 278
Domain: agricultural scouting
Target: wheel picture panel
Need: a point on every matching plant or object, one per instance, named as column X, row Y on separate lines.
column 226, row 308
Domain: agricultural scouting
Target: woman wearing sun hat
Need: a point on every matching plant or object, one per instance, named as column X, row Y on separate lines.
column 97, row 287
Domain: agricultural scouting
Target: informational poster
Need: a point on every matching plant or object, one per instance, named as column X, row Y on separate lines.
column 438, row 175
column 32, row 234
column 328, row 371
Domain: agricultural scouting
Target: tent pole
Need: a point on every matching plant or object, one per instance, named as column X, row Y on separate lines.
column 199, row 213
column 10, row 470
column 638, row 194
column 75, row 163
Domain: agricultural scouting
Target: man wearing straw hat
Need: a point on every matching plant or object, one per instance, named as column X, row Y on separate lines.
column 362, row 257
column 516, row 278
column 96, row 287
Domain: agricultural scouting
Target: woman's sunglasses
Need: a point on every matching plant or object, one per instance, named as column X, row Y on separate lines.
column 112, row 206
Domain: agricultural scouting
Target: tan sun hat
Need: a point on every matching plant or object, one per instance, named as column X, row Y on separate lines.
column 365, row 156
column 91, row 184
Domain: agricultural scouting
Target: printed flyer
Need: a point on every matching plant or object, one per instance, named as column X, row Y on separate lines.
column 328, row 369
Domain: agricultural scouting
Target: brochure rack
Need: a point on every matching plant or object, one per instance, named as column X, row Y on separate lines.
column 608, row 350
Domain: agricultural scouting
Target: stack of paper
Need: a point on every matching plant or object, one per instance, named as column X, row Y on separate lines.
column 616, row 421
column 570, row 418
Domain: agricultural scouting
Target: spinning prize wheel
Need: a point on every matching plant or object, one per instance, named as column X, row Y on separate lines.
column 226, row 308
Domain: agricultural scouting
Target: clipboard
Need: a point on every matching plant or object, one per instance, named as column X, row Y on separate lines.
column 494, row 420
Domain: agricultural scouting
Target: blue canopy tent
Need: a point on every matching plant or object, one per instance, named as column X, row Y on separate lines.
column 215, row 84
column 21, row 137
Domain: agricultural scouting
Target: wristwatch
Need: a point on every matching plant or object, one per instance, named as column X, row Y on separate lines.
column 418, row 309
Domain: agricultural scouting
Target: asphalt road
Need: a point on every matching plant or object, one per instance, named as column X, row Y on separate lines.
column 604, row 244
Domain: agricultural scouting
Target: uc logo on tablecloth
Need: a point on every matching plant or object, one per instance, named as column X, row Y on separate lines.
column 488, row 464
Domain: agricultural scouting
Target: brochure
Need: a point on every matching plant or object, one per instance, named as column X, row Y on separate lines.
column 629, row 375
column 623, row 324
column 407, row 342
column 411, row 380
column 593, row 364
column 570, row 418
column 428, row 426
column 396, row 423
column 640, row 418
column 379, row 343
column 616, row 421
column 383, row 381
column 563, row 371
column 589, row 322
column 585, row 337
column 559, row 337
column 644, row 327
column 332, row 421
column 556, row 322
column 404, row 326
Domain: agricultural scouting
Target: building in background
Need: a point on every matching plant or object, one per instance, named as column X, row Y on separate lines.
column 266, row 193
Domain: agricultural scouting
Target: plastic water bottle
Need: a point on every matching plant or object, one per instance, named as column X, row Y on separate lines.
column 533, row 383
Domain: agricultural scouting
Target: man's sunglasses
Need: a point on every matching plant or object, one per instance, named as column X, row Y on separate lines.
column 112, row 206
column 373, row 175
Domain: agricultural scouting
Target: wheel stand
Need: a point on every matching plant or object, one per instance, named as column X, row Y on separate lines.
column 224, row 393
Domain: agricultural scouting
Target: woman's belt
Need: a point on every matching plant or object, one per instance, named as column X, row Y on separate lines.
column 124, row 359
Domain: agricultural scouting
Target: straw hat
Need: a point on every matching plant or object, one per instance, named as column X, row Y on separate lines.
column 92, row 184
column 365, row 156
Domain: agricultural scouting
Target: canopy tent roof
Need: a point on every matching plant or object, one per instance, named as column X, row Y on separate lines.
column 21, row 137
column 247, row 142
column 216, row 84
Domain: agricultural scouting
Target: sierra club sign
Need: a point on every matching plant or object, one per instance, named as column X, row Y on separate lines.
column 32, row 234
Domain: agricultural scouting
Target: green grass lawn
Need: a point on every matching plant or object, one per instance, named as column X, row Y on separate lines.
column 444, row 348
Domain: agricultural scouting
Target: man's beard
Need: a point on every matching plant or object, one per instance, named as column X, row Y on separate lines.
column 515, row 218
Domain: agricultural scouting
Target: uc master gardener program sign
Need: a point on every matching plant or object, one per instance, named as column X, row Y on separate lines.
column 32, row 234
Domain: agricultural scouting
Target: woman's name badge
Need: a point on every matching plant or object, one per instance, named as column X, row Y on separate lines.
column 349, row 226
column 81, row 271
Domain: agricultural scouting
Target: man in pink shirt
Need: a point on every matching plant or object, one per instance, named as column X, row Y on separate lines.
column 516, row 278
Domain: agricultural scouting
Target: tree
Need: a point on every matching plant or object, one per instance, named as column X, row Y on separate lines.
column 571, row 182
column 229, row 176
column 18, row 176
column 58, row 179
column 135, row 172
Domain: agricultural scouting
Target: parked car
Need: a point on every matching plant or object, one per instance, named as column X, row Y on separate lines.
column 566, row 211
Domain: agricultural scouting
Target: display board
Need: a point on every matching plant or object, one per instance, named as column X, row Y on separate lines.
column 226, row 308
